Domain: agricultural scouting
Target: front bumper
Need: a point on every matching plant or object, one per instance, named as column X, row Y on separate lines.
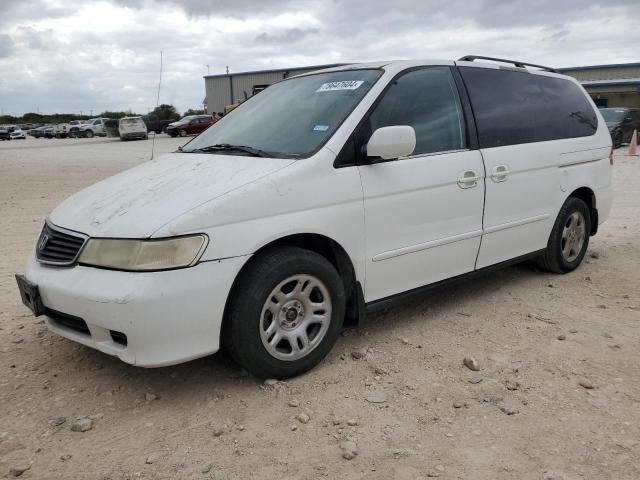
column 168, row 317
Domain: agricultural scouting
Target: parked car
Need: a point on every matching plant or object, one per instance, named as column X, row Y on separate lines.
column 93, row 127
column 18, row 135
column 111, row 128
column 61, row 130
column 74, row 128
column 621, row 123
column 190, row 125
column 132, row 127
column 43, row 132
column 154, row 124
column 4, row 133
column 256, row 235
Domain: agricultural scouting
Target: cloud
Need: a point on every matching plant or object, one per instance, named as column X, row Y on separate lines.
column 290, row 36
column 6, row 45
column 72, row 55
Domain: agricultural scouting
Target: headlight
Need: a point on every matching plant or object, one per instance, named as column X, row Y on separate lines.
column 143, row 255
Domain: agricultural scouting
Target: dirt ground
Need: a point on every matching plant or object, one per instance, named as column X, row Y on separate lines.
column 525, row 416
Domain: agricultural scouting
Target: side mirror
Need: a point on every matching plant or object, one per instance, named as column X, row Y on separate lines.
column 392, row 142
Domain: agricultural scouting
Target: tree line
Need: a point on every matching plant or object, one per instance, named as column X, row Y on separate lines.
column 163, row 112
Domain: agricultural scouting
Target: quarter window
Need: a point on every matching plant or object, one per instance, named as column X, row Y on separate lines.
column 520, row 107
column 427, row 100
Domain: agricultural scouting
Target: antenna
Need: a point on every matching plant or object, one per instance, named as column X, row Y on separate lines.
column 153, row 141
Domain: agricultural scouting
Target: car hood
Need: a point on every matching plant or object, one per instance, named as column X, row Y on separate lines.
column 137, row 202
column 612, row 124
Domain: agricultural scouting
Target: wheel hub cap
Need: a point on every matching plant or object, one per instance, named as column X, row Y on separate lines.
column 295, row 317
column 291, row 314
column 573, row 236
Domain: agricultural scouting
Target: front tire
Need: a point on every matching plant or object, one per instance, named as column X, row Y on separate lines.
column 569, row 238
column 88, row 134
column 285, row 313
column 182, row 132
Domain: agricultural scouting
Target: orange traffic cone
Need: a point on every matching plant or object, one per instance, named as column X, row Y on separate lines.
column 633, row 145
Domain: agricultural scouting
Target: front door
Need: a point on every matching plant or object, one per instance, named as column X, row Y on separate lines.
column 423, row 213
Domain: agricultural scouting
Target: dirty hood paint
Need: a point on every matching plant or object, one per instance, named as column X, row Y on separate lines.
column 137, row 202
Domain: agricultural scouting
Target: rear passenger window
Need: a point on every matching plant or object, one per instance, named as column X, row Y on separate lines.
column 427, row 100
column 520, row 107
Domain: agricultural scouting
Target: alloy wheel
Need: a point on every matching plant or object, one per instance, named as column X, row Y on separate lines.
column 573, row 235
column 295, row 317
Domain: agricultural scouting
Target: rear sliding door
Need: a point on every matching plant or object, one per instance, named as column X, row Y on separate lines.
column 525, row 123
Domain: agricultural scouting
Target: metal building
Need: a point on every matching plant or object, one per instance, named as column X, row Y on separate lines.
column 229, row 88
column 615, row 85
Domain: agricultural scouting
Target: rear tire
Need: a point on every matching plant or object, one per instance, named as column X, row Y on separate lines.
column 569, row 238
column 285, row 313
column 617, row 139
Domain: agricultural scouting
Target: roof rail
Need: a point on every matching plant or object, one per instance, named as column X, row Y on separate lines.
column 471, row 58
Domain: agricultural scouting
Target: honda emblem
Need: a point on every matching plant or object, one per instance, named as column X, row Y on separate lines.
column 43, row 241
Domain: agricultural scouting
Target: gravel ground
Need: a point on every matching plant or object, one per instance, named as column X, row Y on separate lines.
column 557, row 394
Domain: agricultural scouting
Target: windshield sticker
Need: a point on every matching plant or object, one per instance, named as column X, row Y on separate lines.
column 321, row 128
column 343, row 85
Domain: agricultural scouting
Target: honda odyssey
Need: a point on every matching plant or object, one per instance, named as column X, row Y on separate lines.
column 324, row 196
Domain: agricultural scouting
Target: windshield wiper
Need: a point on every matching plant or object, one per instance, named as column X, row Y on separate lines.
column 221, row 147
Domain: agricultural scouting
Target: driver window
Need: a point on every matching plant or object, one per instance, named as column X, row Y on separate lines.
column 426, row 99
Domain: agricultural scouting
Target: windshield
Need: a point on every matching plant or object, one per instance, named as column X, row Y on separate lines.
column 292, row 118
column 612, row 115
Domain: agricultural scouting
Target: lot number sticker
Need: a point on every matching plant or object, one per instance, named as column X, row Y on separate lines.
column 343, row 85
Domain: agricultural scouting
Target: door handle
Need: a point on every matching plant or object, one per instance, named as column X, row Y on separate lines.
column 499, row 173
column 468, row 179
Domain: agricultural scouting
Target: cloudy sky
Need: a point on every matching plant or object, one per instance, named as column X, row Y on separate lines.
column 89, row 55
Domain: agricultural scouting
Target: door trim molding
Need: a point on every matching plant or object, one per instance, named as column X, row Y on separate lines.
column 456, row 238
column 516, row 223
column 426, row 245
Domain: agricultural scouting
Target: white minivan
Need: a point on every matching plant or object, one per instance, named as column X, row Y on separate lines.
column 322, row 197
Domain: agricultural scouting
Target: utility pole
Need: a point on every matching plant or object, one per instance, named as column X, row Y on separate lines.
column 208, row 71
column 227, row 69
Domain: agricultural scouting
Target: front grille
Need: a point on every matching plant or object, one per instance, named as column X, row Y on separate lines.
column 69, row 321
column 58, row 246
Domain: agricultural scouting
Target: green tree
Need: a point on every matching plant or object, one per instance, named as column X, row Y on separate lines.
column 166, row 112
column 4, row 119
column 118, row 115
column 192, row 111
column 32, row 117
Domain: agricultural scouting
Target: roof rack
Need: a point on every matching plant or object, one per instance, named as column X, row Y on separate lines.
column 471, row 58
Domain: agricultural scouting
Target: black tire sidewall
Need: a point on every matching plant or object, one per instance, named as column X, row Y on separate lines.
column 570, row 206
column 617, row 139
column 254, row 287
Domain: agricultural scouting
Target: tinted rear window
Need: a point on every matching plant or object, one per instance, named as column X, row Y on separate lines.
column 130, row 121
column 519, row 107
